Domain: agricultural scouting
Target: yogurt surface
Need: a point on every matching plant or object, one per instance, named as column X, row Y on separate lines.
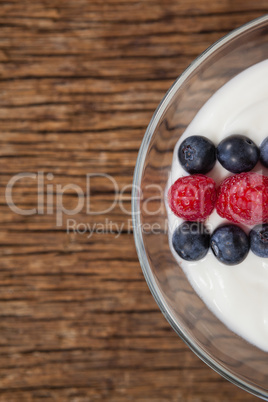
column 237, row 295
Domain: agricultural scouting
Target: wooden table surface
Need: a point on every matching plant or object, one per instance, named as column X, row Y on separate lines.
column 79, row 82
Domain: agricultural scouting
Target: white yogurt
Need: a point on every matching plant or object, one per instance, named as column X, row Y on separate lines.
column 237, row 295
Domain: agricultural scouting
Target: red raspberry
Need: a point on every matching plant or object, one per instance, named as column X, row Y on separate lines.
column 193, row 197
column 243, row 198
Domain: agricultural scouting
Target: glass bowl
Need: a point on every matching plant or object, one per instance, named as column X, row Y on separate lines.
column 235, row 359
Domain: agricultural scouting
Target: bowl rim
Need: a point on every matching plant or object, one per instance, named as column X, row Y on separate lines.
column 138, row 172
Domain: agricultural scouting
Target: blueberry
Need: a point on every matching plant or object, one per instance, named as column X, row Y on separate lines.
column 264, row 152
column 191, row 241
column 238, row 153
column 258, row 237
column 197, row 154
column 230, row 244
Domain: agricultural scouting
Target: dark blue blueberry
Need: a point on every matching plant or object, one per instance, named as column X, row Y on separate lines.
column 238, row 153
column 230, row 244
column 258, row 237
column 191, row 240
column 264, row 152
column 197, row 154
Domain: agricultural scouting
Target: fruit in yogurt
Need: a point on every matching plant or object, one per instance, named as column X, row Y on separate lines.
column 191, row 240
column 197, row 154
column 238, row 153
column 264, row 152
column 243, row 198
column 193, row 197
column 237, row 294
column 230, row 244
column 259, row 240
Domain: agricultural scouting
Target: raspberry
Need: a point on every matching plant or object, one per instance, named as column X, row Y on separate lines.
column 193, row 197
column 243, row 198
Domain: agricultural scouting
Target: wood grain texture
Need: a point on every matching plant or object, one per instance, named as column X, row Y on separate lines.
column 79, row 81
